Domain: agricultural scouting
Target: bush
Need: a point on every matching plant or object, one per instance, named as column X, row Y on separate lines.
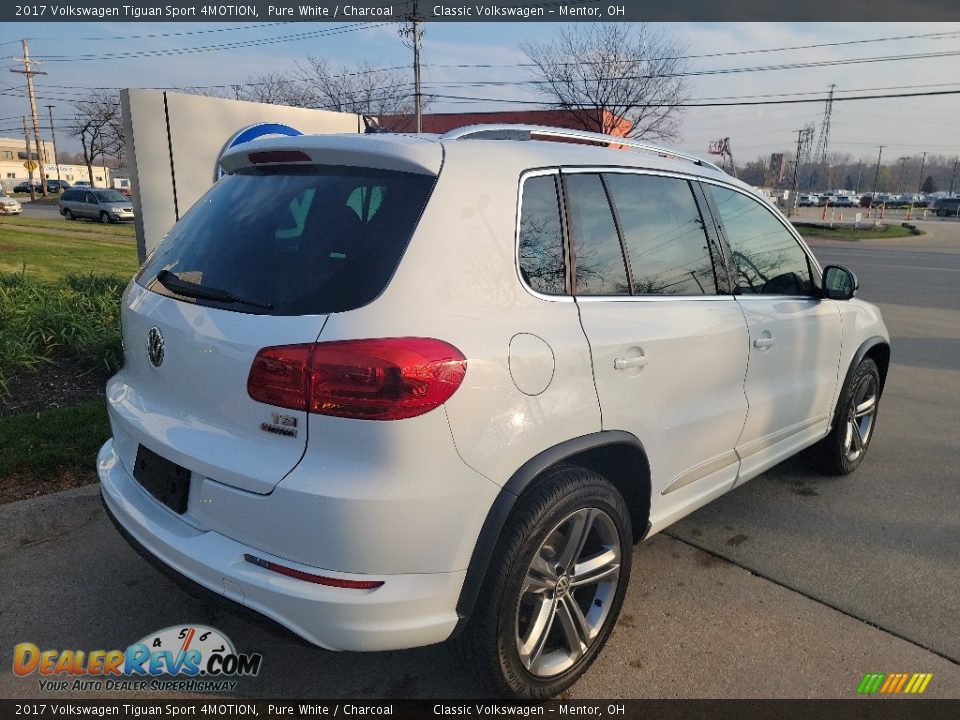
column 76, row 319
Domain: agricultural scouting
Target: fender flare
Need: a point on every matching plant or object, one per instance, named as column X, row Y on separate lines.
column 503, row 505
column 865, row 347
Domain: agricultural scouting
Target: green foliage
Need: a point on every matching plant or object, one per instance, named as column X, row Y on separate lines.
column 62, row 439
column 76, row 318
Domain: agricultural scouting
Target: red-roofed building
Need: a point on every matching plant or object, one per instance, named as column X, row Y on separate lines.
column 442, row 122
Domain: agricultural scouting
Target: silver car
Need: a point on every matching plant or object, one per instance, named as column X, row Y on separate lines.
column 103, row 204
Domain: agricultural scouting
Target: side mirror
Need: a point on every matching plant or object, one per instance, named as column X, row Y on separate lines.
column 838, row 283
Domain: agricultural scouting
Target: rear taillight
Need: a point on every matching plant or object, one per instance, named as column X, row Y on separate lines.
column 385, row 379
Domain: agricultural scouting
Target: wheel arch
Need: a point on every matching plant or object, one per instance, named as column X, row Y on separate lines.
column 876, row 348
column 615, row 454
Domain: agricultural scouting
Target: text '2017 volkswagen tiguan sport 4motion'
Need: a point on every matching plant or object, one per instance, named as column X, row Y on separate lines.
column 394, row 390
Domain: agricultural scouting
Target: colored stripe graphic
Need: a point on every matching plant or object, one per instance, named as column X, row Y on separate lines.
column 894, row 683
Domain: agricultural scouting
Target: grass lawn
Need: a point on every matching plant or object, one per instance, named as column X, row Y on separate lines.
column 85, row 226
column 49, row 256
column 848, row 232
column 51, row 450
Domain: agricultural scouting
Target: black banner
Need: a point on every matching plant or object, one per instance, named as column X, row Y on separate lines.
column 861, row 709
column 477, row 11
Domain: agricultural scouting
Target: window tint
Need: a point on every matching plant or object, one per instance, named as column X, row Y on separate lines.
column 304, row 240
column 664, row 235
column 600, row 269
column 541, row 240
column 766, row 257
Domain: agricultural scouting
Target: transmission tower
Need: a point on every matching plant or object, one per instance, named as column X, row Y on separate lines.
column 823, row 142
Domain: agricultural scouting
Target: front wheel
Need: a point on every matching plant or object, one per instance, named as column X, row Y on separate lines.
column 842, row 451
column 555, row 586
column 105, row 218
column 67, row 215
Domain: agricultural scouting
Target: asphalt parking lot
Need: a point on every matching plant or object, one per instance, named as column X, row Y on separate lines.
column 794, row 585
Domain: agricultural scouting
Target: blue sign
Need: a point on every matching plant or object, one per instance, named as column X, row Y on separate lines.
column 253, row 132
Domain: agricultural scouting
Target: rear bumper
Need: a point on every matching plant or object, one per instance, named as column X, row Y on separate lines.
column 406, row 611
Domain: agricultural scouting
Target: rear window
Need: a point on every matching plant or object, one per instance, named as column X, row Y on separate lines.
column 295, row 240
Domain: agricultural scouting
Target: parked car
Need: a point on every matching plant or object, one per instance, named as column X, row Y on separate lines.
column 808, row 200
column 363, row 397
column 82, row 183
column 106, row 205
column 24, row 187
column 55, row 186
column 9, row 206
column 946, row 207
column 842, row 201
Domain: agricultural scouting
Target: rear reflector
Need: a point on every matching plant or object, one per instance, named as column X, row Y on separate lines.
column 385, row 379
column 277, row 156
column 310, row 577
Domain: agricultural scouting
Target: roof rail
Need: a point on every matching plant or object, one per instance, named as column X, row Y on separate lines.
column 527, row 132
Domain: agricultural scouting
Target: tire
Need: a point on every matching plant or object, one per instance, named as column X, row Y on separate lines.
column 105, row 218
column 842, row 451
column 67, row 215
column 505, row 644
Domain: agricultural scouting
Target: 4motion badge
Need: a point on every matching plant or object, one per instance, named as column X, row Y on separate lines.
column 285, row 425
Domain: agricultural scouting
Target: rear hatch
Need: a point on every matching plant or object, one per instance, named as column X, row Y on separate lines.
column 259, row 261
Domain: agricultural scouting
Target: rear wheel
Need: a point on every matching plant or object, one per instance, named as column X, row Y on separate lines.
column 105, row 217
column 555, row 586
column 842, row 451
column 67, row 215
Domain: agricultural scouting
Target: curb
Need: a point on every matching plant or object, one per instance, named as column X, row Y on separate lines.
column 48, row 517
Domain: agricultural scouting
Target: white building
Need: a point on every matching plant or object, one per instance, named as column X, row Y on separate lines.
column 13, row 156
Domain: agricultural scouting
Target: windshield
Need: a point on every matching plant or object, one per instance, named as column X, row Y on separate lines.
column 111, row 196
column 294, row 241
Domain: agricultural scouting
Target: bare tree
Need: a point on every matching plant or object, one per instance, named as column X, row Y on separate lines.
column 370, row 89
column 278, row 89
column 605, row 74
column 96, row 122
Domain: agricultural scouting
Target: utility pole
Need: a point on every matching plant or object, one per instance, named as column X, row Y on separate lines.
column 903, row 165
column 26, row 138
column 30, row 72
column 953, row 178
column 53, row 132
column 796, row 173
column 415, row 33
column 856, row 188
column 876, row 177
column 923, row 164
column 236, row 91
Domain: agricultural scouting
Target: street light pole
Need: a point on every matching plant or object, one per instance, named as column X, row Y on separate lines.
column 922, row 165
column 796, row 171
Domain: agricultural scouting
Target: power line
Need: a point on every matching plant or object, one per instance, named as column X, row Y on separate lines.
column 161, row 52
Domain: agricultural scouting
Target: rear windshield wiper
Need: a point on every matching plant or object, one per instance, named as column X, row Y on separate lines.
column 176, row 284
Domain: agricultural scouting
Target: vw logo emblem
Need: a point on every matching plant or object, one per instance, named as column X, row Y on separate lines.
column 155, row 347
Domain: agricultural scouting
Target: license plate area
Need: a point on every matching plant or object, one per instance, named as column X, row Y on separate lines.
column 165, row 480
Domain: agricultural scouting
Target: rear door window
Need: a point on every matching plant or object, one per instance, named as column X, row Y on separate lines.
column 664, row 235
column 294, row 241
column 600, row 268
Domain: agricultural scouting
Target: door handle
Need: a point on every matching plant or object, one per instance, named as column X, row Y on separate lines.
column 763, row 342
column 630, row 363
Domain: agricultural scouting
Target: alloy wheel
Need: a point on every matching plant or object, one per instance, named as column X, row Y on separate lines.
column 860, row 417
column 568, row 592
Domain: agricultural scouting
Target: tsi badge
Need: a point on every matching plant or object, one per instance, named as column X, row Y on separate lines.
column 204, row 655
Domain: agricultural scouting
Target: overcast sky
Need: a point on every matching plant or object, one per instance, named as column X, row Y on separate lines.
column 907, row 126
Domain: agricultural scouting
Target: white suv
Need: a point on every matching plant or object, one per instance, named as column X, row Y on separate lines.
column 392, row 390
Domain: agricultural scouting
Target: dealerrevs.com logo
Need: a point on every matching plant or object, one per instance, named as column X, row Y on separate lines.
column 204, row 656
